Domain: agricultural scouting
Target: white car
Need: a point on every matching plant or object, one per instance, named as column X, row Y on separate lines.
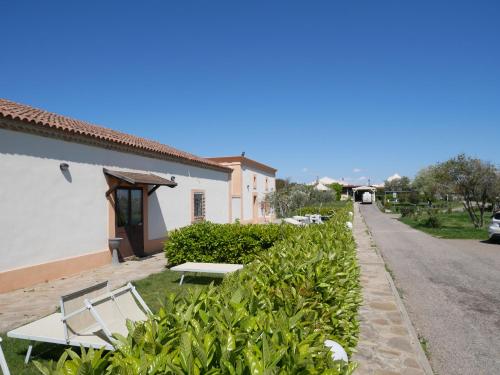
column 494, row 228
column 367, row 197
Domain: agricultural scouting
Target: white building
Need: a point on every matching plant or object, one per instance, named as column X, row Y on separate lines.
column 68, row 186
column 250, row 183
column 320, row 187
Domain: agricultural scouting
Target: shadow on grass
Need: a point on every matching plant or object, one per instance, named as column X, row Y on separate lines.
column 15, row 352
column 200, row 280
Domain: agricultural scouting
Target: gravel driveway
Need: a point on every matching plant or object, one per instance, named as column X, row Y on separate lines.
column 451, row 289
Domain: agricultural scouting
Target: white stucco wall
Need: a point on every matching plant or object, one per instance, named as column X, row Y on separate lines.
column 236, row 208
column 46, row 214
column 248, row 189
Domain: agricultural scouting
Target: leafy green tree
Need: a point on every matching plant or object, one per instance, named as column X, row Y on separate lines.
column 282, row 183
column 293, row 196
column 427, row 183
column 398, row 184
column 337, row 188
column 475, row 180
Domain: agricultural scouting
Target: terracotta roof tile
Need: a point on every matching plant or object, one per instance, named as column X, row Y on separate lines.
column 39, row 117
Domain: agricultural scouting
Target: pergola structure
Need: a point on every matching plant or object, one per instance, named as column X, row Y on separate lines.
column 357, row 192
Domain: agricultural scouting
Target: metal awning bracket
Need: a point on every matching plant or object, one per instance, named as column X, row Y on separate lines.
column 113, row 188
column 153, row 189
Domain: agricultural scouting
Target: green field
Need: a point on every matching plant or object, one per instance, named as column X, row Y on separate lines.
column 152, row 289
column 455, row 225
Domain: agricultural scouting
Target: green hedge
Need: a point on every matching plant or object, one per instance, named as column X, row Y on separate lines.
column 222, row 243
column 322, row 210
column 270, row 318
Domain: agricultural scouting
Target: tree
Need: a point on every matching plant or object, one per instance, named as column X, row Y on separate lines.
column 337, row 188
column 293, row 196
column 398, row 184
column 427, row 184
column 282, row 183
column 496, row 192
column 475, row 180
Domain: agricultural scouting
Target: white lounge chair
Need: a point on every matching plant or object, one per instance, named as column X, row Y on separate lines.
column 3, row 362
column 216, row 268
column 88, row 318
column 291, row 221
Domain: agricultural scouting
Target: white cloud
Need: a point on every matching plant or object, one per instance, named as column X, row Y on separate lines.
column 305, row 170
column 362, row 178
column 357, row 170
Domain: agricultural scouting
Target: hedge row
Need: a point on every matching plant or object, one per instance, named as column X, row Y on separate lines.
column 270, row 318
column 324, row 210
column 222, row 243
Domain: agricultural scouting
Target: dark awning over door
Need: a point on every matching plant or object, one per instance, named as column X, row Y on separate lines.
column 135, row 178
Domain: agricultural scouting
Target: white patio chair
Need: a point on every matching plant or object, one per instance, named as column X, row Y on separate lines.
column 88, row 318
column 3, row 362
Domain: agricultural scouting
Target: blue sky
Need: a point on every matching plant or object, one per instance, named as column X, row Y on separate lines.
column 310, row 87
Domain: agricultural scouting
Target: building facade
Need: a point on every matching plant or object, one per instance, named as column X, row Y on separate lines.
column 251, row 181
column 68, row 186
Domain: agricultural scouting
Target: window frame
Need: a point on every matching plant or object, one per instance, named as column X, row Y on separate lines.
column 129, row 206
column 194, row 218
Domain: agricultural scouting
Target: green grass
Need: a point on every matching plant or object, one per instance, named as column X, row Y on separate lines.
column 455, row 225
column 424, row 345
column 152, row 289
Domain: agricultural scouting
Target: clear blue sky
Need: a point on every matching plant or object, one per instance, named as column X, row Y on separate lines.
column 310, row 87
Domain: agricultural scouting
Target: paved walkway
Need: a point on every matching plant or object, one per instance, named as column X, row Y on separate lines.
column 25, row 305
column 388, row 344
column 451, row 291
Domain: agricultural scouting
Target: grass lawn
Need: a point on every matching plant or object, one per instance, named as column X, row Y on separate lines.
column 152, row 289
column 454, row 225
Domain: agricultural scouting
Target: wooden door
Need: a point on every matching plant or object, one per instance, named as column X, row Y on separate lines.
column 130, row 221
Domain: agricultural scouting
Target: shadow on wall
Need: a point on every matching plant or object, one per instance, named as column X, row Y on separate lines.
column 157, row 227
column 18, row 143
column 67, row 175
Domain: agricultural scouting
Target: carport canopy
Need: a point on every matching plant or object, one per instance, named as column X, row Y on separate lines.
column 135, row 178
column 365, row 188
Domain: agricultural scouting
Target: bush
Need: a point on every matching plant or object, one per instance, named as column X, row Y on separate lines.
column 407, row 211
column 432, row 220
column 271, row 317
column 323, row 211
column 327, row 210
column 222, row 243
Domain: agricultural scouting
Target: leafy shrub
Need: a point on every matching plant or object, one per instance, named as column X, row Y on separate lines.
column 222, row 243
column 328, row 210
column 272, row 317
column 407, row 211
column 323, row 211
column 337, row 188
column 431, row 220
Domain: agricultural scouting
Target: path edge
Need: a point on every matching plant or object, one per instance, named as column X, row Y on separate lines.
column 422, row 357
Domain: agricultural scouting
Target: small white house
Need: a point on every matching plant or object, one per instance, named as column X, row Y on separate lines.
column 251, row 181
column 68, row 186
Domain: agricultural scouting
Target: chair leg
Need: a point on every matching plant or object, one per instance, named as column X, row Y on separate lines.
column 28, row 353
column 182, row 279
column 3, row 362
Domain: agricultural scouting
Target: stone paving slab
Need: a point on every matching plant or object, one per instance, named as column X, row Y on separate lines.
column 25, row 305
column 388, row 343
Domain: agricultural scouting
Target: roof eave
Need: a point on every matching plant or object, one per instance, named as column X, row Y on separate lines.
column 51, row 131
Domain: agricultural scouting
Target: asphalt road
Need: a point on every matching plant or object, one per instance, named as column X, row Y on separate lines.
column 451, row 289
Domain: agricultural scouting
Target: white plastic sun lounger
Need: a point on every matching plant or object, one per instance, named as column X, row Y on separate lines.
column 216, row 268
column 3, row 362
column 88, row 318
